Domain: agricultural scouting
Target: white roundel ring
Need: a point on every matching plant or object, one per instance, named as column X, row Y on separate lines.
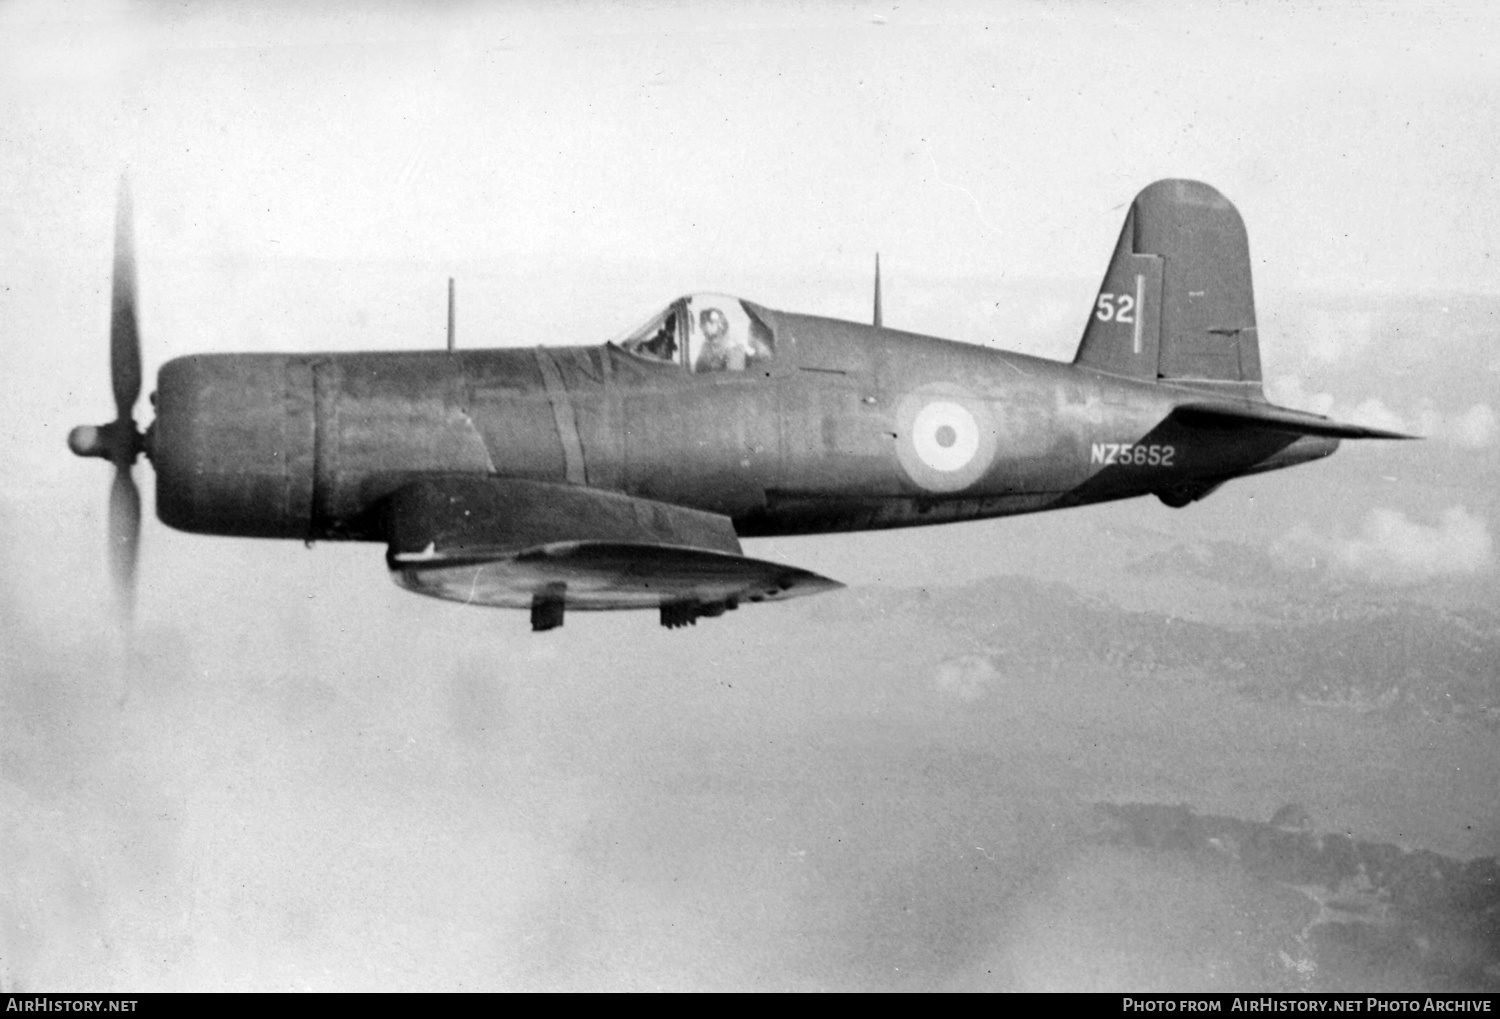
column 945, row 439
column 945, row 436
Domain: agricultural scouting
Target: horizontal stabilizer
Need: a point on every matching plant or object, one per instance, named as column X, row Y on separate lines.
column 1277, row 419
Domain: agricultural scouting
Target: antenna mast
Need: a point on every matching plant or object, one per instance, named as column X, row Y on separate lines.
column 450, row 314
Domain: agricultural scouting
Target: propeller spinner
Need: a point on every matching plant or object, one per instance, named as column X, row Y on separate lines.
column 119, row 441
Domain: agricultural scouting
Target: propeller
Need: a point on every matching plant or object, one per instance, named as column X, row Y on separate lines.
column 119, row 441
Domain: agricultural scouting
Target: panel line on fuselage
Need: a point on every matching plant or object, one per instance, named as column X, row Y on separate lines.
column 562, row 414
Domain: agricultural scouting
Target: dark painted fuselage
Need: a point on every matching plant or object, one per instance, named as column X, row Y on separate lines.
column 825, row 436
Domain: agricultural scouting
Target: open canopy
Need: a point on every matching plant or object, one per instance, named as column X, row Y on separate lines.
column 704, row 333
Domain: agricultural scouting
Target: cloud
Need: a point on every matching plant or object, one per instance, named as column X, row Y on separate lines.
column 966, row 677
column 1289, row 391
column 1333, row 336
column 1373, row 413
column 1475, row 428
column 1390, row 548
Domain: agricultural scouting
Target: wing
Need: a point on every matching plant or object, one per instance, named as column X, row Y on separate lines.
column 1275, row 419
column 529, row 544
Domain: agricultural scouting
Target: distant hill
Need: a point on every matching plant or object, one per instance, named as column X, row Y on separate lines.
column 1341, row 651
column 1383, row 913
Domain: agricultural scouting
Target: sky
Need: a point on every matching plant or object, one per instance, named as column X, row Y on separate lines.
column 306, row 177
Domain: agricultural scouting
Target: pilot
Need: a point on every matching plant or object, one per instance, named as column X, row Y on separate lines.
column 719, row 349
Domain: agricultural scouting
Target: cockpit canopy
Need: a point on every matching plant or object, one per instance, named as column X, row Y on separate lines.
column 705, row 333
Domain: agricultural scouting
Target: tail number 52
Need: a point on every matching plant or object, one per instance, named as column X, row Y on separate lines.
column 1112, row 454
column 1115, row 308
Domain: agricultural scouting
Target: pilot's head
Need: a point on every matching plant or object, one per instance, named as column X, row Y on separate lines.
column 713, row 323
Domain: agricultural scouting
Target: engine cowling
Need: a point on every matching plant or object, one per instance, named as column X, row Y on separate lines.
column 234, row 445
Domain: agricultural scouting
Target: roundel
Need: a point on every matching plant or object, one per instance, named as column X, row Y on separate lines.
column 945, row 438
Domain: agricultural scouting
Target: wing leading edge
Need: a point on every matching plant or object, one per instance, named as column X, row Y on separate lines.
column 526, row 544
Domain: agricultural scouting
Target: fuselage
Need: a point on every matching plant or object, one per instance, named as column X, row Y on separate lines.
column 846, row 427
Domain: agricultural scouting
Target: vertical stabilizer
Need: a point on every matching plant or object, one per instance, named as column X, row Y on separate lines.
column 1177, row 302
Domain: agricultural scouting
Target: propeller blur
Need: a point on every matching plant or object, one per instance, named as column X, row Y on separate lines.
column 119, row 441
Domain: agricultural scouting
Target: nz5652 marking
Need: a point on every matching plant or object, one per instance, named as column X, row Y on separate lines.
column 1116, row 454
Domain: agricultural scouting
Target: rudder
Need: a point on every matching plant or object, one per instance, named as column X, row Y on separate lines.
column 1176, row 302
